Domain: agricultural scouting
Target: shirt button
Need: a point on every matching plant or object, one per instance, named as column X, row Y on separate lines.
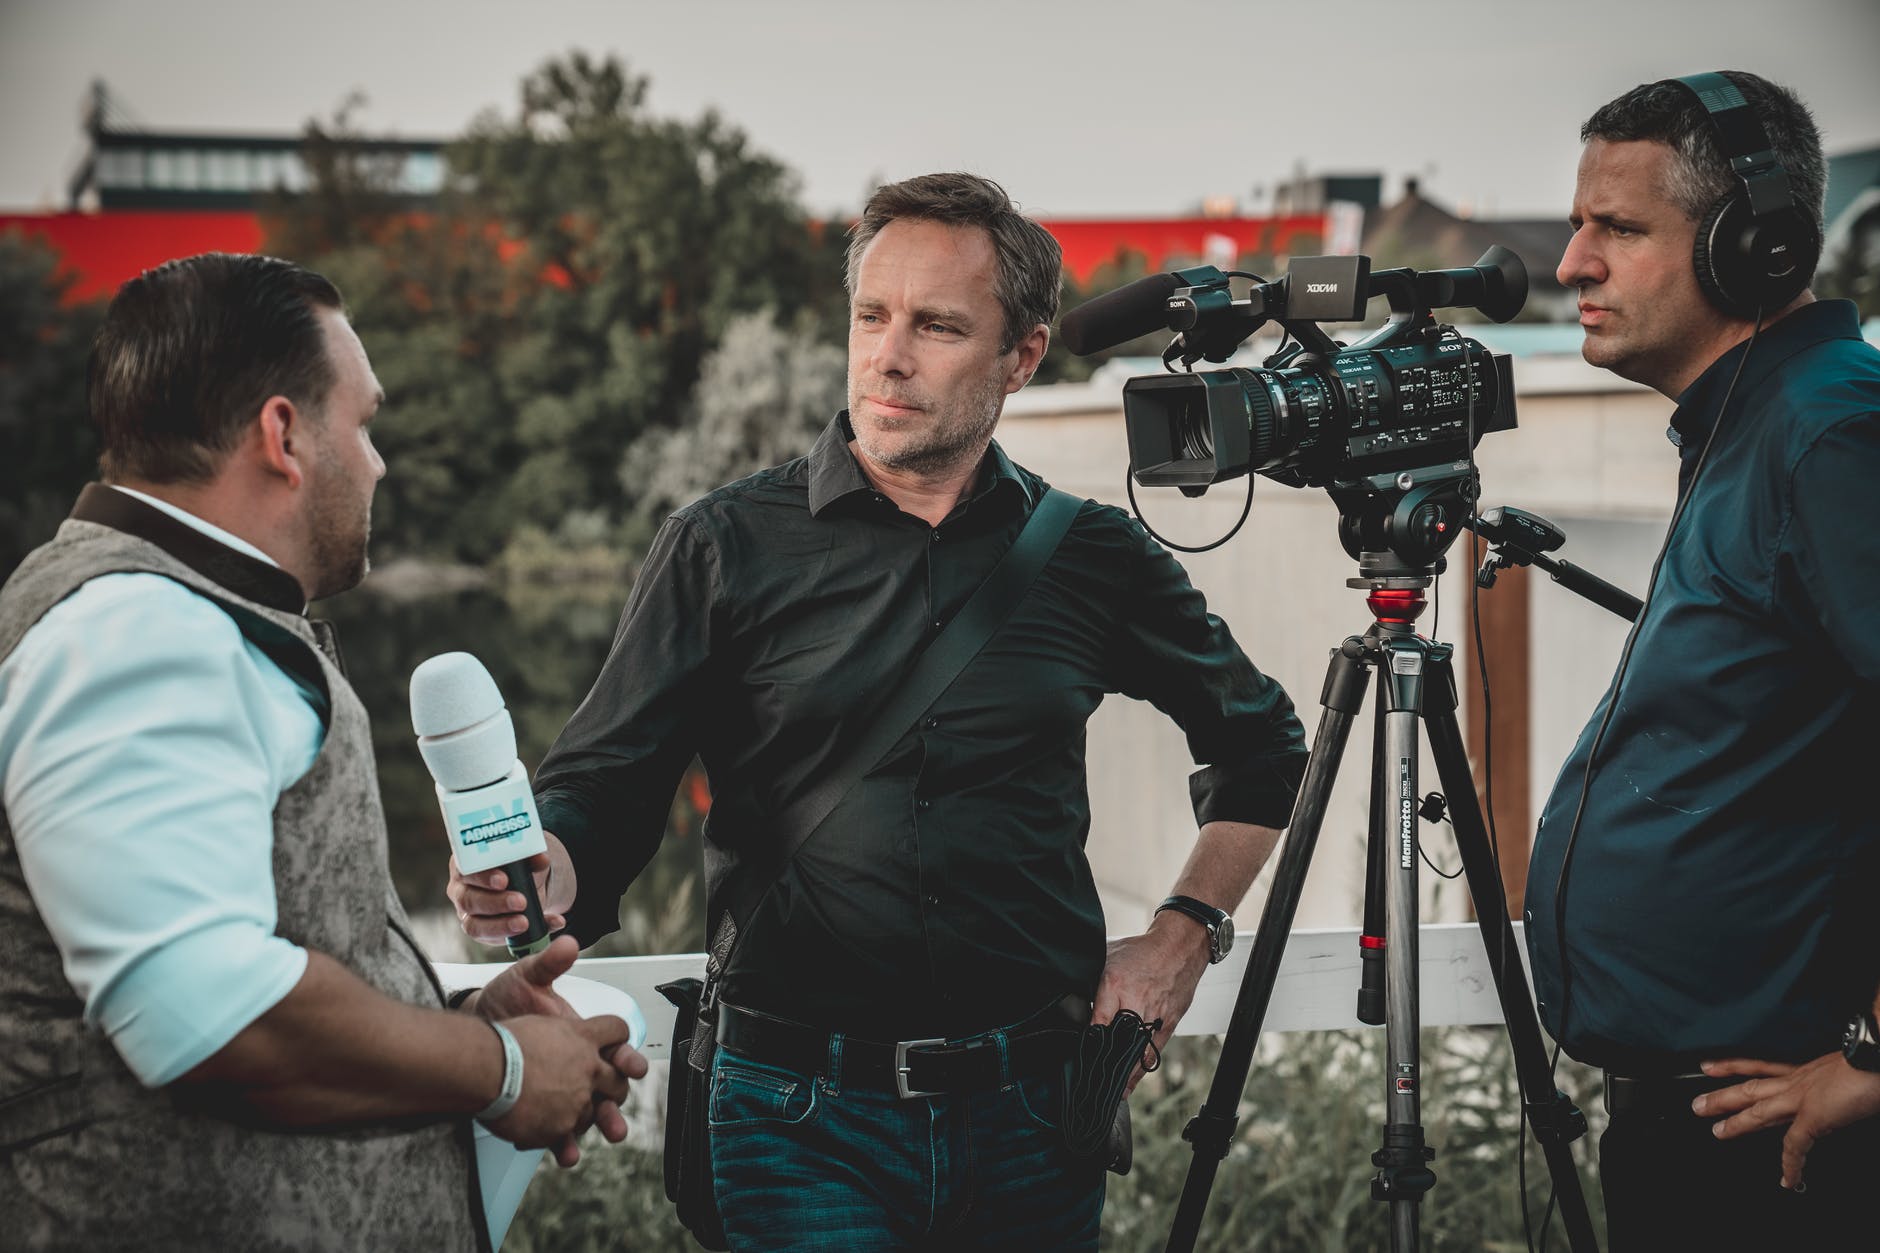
column 923, row 803
column 931, row 723
column 935, row 537
column 937, row 624
column 933, row 898
column 1527, row 916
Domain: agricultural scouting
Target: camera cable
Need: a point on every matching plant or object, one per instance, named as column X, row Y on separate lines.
column 1129, row 486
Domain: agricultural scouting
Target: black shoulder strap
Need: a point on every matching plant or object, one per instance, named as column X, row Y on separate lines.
column 991, row 604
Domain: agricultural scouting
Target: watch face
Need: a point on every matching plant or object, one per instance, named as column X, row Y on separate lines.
column 1226, row 933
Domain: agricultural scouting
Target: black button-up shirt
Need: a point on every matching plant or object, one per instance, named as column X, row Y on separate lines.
column 1721, row 896
column 949, row 892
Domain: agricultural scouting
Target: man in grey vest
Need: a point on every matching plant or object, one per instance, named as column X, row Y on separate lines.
column 216, row 1031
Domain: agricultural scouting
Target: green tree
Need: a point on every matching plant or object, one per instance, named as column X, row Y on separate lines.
column 763, row 396
column 47, row 446
column 558, row 302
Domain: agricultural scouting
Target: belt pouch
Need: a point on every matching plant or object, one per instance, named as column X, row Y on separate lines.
column 688, row 1098
column 1095, row 1121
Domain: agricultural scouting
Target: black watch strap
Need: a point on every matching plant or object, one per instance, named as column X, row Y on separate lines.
column 1861, row 1044
column 1217, row 921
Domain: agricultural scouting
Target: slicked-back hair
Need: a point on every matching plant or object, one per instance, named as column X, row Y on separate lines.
column 191, row 350
column 1030, row 265
column 1671, row 115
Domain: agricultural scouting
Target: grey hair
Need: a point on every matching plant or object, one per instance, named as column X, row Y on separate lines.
column 1030, row 265
column 1669, row 114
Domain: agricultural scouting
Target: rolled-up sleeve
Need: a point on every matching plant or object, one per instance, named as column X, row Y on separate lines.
column 1240, row 724
column 144, row 748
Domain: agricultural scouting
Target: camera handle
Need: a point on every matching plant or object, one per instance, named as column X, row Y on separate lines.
column 1519, row 538
column 1415, row 682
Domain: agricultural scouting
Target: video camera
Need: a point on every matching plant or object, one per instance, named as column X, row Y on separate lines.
column 1384, row 425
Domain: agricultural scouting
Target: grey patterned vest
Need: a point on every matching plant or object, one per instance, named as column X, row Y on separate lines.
column 89, row 1158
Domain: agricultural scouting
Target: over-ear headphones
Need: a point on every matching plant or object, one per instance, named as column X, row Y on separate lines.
column 1756, row 248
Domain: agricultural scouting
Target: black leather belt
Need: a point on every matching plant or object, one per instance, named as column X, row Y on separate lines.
column 907, row 1068
column 1659, row 1096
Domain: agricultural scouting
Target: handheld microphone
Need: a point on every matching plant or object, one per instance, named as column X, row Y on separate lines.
column 467, row 739
column 1135, row 309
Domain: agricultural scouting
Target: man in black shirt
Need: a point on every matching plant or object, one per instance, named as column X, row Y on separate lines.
column 1702, row 886
column 948, row 896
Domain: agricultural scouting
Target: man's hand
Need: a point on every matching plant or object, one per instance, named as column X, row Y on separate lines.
column 1155, row 974
column 570, row 1068
column 490, row 913
column 1813, row 1099
column 527, row 986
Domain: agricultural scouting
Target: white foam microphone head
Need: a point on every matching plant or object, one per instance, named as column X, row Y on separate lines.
column 464, row 733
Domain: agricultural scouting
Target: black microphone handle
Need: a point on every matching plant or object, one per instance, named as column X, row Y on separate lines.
column 536, row 938
column 1584, row 582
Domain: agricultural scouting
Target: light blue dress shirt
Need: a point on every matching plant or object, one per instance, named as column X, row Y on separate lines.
column 144, row 744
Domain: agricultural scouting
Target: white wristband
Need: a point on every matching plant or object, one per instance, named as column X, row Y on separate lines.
column 512, row 1076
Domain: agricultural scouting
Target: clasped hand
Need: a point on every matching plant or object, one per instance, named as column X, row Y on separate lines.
column 575, row 1070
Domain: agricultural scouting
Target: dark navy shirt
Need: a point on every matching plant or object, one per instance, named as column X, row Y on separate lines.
column 949, row 892
column 1721, row 895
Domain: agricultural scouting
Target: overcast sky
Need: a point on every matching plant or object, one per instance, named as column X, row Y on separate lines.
column 1083, row 108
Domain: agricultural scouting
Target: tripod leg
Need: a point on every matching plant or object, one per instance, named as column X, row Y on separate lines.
column 1403, row 1172
column 1211, row 1130
column 1371, row 943
column 1554, row 1118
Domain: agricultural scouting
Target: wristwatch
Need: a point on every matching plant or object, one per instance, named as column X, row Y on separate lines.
column 1861, row 1044
column 1220, row 926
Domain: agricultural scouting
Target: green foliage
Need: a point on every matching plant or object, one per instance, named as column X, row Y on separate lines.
column 1297, row 1176
column 763, row 396
column 557, row 303
column 47, row 447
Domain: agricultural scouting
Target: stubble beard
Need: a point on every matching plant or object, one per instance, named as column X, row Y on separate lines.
column 942, row 442
column 341, row 536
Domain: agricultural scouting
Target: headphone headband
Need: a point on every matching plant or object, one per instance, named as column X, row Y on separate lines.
column 1746, row 147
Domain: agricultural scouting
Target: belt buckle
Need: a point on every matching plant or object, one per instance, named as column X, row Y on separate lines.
column 900, row 1067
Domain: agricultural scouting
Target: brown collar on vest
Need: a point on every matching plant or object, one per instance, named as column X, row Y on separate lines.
column 246, row 576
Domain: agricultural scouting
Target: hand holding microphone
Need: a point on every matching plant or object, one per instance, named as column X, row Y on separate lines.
column 497, row 843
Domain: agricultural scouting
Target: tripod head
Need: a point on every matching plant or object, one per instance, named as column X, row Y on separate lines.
column 1399, row 525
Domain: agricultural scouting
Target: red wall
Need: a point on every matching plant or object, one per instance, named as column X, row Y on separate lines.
column 1088, row 243
column 104, row 249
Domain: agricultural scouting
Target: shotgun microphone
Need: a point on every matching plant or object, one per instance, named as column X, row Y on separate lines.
column 1116, row 317
column 467, row 739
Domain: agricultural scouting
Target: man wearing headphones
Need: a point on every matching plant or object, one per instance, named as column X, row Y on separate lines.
column 1702, row 884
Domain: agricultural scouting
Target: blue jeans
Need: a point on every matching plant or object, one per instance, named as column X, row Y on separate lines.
column 800, row 1162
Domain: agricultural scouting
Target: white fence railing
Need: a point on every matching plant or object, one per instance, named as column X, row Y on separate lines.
column 1317, row 988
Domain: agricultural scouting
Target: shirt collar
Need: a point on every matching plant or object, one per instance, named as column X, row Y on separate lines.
column 1813, row 323
column 218, row 556
column 835, row 476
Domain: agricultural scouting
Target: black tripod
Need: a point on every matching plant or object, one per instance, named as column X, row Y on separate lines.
column 1414, row 680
